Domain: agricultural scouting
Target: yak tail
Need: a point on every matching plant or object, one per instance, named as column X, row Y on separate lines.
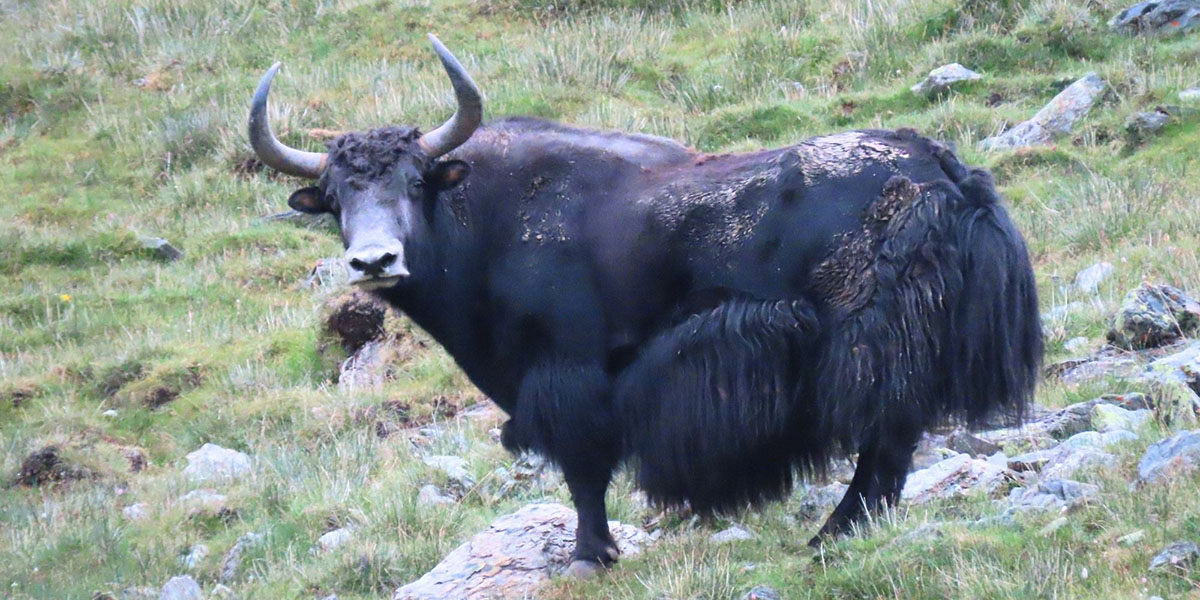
column 709, row 406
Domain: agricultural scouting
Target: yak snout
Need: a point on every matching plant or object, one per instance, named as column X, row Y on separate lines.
column 376, row 265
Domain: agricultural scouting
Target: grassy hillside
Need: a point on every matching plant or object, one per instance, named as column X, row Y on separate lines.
column 125, row 118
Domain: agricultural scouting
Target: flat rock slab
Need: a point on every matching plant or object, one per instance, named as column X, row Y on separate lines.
column 1168, row 458
column 1052, row 494
column 1158, row 16
column 941, row 78
column 212, row 462
column 955, row 476
column 515, row 555
column 1055, row 119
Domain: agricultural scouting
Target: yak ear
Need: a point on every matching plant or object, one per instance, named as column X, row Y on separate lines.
column 450, row 173
column 308, row 200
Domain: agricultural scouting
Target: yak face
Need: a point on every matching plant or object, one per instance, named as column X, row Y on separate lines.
column 380, row 186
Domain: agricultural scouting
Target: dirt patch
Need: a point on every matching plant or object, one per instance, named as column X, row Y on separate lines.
column 355, row 319
column 48, row 466
column 118, row 376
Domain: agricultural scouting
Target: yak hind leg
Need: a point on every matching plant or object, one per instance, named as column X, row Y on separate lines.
column 564, row 413
column 883, row 465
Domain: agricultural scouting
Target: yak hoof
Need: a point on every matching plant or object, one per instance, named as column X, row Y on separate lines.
column 580, row 570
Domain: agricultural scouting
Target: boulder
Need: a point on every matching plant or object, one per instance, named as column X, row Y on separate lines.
column 1141, row 126
column 458, row 480
column 1106, row 417
column 214, row 463
column 1190, row 95
column 161, row 248
column 1082, row 450
column 1051, row 494
column 513, row 556
column 735, row 533
column 1154, row 315
column 232, row 562
column 1158, row 16
column 137, row 512
column 1179, row 555
column 957, row 475
column 940, row 79
column 333, row 539
column 1170, row 457
column 1055, row 119
column 431, row 495
column 181, row 588
column 1088, row 280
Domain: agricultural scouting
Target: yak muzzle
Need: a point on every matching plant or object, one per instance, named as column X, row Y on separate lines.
column 376, row 266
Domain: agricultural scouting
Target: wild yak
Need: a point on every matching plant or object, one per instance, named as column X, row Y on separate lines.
column 719, row 323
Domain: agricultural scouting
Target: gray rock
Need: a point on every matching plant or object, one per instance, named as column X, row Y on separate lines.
column 1051, row 494
column 203, row 499
column 1132, row 538
column 181, row 588
column 302, row 219
column 1143, row 125
column 1108, row 363
column 926, row 532
column 513, row 556
column 1053, row 526
column 1179, row 555
column 333, row 539
column 965, row 443
column 1154, row 315
column 1190, row 95
column 137, row 512
column 1061, row 312
column 1076, row 344
column 214, row 463
column 369, row 367
column 941, row 78
column 458, row 480
column 328, row 274
column 1088, row 280
column 1182, row 367
column 232, row 562
column 735, row 533
column 1176, row 379
column 1170, row 457
column 1082, row 450
column 431, row 495
column 1158, row 16
column 957, row 475
column 197, row 553
column 1055, row 119
column 761, row 592
column 819, row 499
column 1106, row 417
column 162, row 248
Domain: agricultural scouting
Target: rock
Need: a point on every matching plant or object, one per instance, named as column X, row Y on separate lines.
column 181, row 588
column 761, row 592
column 1154, row 315
column 1132, row 538
column 1083, row 451
column 941, row 78
column 1190, row 95
column 514, row 555
column 232, row 562
column 1158, row 16
column 1053, row 526
column 161, row 248
column 1176, row 381
column 327, row 274
column 458, row 480
column 1061, row 312
column 1051, row 494
column 1055, row 119
column 197, row 553
column 735, row 533
column 819, row 499
column 1143, row 125
column 302, row 219
column 965, row 443
column 137, row 512
column 367, row 368
column 1106, row 417
column 204, row 499
column 223, row 592
column 1109, row 362
column 1076, row 344
column 926, row 532
column 1171, row 457
column 1181, row 367
column 47, row 465
column 214, row 463
column 1179, row 555
column 333, row 539
column 1088, row 280
column 110, row 413
column 431, row 495
column 954, row 476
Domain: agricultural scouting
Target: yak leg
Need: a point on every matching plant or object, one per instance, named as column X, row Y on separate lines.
column 883, row 465
column 595, row 548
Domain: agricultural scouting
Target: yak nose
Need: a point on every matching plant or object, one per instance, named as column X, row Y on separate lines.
column 376, row 262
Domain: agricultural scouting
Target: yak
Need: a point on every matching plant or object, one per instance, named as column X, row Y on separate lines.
column 719, row 323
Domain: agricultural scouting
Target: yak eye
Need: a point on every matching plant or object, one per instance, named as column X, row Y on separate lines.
column 417, row 183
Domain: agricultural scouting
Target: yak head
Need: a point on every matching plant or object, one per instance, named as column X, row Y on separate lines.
column 378, row 184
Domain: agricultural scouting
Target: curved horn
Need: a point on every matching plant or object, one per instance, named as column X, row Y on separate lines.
column 466, row 118
column 270, row 150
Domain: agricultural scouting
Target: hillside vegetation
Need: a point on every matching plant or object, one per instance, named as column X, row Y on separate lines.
column 125, row 118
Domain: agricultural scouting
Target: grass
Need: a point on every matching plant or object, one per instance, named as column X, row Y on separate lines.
column 123, row 118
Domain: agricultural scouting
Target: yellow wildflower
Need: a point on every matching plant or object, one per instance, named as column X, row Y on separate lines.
column 65, row 297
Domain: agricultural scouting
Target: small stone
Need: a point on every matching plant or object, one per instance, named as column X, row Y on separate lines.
column 733, row 534
column 1055, row 119
column 1143, row 125
column 197, row 553
column 1052, row 526
column 1088, row 280
column 1158, row 17
column 458, row 480
column 1179, row 555
column 222, row 591
column 1190, row 95
column 162, row 248
column 1051, row 494
column 965, row 443
column 955, row 476
column 1170, row 457
column 431, row 495
column 214, row 463
column 334, row 538
column 1132, row 538
column 1076, row 344
column 137, row 512
column 181, row 588
column 927, row 532
column 232, row 563
column 761, row 592
column 205, row 499
column 941, row 78
column 110, row 413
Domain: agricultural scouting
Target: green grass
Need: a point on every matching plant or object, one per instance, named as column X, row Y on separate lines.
column 122, row 118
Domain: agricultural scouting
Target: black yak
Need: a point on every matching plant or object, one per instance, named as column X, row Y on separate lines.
column 720, row 323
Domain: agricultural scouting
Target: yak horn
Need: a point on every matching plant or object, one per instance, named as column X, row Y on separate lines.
column 270, row 150
column 458, row 129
